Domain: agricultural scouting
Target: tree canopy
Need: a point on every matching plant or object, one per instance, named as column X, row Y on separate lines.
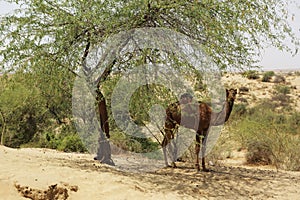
column 59, row 33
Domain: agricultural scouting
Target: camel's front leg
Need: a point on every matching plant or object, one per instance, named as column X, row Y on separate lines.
column 169, row 135
column 165, row 142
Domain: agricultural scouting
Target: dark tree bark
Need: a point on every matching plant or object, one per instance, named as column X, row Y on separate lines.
column 104, row 150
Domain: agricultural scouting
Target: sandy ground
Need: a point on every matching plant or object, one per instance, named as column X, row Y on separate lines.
column 33, row 172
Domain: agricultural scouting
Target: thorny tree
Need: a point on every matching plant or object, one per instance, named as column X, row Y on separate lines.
column 52, row 39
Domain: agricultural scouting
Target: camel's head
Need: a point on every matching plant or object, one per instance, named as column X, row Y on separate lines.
column 231, row 94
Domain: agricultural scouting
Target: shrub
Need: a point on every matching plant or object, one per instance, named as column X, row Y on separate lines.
column 132, row 143
column 283, row 99
column 294, row 121
column 239, row 110
column 243, row 89
column 50, row 140
column 243, row 100
column 259, row 153
column 282, row 89
column 267, row 76
column 270, row 137
column 279, row 79
column 72, row 143
column 251, row 74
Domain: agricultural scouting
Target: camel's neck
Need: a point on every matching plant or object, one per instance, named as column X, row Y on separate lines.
column 221, row 117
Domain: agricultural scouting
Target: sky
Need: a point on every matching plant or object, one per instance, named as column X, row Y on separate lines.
column 271, row 58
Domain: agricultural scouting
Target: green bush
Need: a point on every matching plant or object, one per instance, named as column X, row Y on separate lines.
column 269, row 137
column 72, row 143
column 294, row 122
column 282, row 89
column 251, row 74
column 28, row 109
column 239, row 110
column 283, row 101
column 133, row 143
column 267, row 76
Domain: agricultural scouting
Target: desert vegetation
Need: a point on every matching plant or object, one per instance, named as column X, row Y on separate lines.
column 41, row 61
column 270, row 137
column 267, row 76
column 55, row 55
column 268, row 131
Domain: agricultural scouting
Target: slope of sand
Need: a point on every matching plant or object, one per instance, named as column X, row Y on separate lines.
column 84, row 178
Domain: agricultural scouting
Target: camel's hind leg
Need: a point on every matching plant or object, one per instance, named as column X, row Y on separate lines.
column 164, row 146
column 169, row 135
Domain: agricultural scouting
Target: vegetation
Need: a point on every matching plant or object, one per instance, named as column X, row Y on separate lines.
column 46, row 43
column 279, row 79
column 134, row 144
column 267, row 76
column 297, row 73
column 31, row 118
column 268, row 136
column 243, row 89
column 282, row 89
column 251, row 74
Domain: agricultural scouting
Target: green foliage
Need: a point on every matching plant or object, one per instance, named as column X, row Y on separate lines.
column 20, row 108
column 132, row 143
column 239, row 110
column 251, row 74
column 27, row 112
column 267, row 76
column 63, row 139
column 45, row 43
column 72, row 143
column 269, row 137
column 144, row 98
column 55, row 34
column 294, row 122
column 282, row 89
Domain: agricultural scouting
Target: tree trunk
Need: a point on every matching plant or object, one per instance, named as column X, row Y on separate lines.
column 3, row 128
column 104, row 150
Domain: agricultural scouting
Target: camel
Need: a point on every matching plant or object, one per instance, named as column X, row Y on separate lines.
column 197, row 116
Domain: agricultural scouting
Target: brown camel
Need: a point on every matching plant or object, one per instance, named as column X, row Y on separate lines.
column 196, row 116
